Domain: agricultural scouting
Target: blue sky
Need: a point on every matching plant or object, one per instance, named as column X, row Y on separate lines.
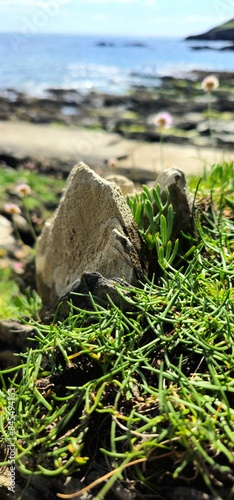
column 117, row 17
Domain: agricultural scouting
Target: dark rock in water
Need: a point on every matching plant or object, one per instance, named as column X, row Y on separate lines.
column 201, row 47
column 61, row 93
column 135, row 44
column 208, row 47
column 227, row 47
column 79, row 295
column 104, row 44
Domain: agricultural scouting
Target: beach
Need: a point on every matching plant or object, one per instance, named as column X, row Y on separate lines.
column 61, row 148
column 118, row 132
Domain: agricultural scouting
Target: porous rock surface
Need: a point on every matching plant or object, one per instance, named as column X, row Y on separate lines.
column 92, row 230
column 125, row 184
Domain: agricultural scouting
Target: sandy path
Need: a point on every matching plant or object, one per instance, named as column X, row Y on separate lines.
column 70, row 144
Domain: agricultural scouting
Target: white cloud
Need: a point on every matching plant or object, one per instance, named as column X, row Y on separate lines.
column 204, row 22
column 99, row 17
column 200, row 19
column 192, row 19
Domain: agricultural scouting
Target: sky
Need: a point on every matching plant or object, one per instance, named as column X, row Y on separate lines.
column 114, row 17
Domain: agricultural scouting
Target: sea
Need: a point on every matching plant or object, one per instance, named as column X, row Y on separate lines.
column 34, row 63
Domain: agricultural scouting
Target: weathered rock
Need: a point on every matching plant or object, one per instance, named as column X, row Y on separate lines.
column 223, row 140
column 14, row 338
column 217, row 126
column 14, row 334
column 188, row 121
column 79, row 295
column 183, row 492
column 7, row 241
column 21, row 224
column 8, row 359
column 203, row 128
column 125, row 184
column 92, row 230
column 174, row 180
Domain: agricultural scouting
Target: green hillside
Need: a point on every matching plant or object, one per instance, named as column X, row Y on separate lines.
column 224, row 31
column 225, row 26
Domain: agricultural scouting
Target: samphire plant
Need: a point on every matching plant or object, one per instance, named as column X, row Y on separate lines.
column 146, row 391
column 154, row 218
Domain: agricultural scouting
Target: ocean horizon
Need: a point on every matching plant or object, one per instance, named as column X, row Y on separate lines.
column 112, row 64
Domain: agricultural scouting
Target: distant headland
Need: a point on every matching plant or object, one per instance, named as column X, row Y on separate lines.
column 223, row 32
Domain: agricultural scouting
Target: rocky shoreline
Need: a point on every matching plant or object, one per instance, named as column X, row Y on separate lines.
column 131, row 115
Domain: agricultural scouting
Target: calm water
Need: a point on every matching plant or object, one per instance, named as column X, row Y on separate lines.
column 39, row 62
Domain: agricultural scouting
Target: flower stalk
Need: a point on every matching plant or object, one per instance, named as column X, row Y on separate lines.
column 209, row 84
column 164, row 121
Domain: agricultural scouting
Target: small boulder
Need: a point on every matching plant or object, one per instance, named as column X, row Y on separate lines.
column 79, row 295
column 15, row 338
column 7, row 240
column 92, row 230
column 174, row 181
column 125, row 184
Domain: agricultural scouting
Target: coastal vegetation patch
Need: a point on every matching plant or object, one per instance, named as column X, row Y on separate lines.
column 138, row 397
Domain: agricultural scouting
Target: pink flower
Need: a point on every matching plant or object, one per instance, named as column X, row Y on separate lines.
column 23, row 189
column 210, row 83
column 112, row 162
column 163, row 120
column 18, row 267
column 11, row 208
